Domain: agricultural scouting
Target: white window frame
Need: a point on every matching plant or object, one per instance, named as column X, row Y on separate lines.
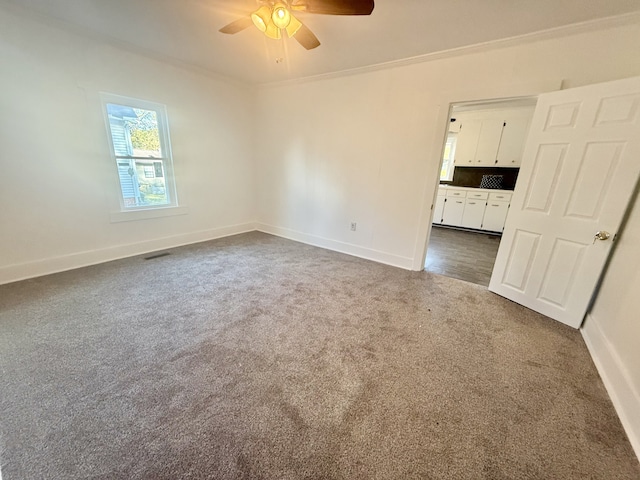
column 447, row 163
column 127, row 213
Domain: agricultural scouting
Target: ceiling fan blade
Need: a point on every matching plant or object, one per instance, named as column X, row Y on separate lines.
column 334, row 7
column 306, row 38
column 237, row 26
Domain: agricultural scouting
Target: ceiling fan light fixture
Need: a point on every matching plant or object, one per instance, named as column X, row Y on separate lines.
column 293, row 27
column 262, row 18
column 272, row 31
column 273, row 16
column 280, row 15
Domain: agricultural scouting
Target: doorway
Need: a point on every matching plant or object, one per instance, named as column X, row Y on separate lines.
column 480, row 164
column 461, row 254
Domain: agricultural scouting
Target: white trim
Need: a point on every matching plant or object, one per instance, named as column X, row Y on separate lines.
column 481, row 93
column 616, row 379
column 145, row 213
column 82, row 31
column 548, row 34
column 337, row 246
column 556, row 32
column 22, row 271
column 166, row 158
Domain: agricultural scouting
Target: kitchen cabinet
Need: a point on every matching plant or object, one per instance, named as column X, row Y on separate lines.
column 500, row 196
column 473, row 213
column 514, row 135
column 439, row 206
column 467, row 142
column 495, row 215
column 488, row 142
column 476, row 208
column 477, row 193
column 454, row 207
column 492, row 137
column 456, row 192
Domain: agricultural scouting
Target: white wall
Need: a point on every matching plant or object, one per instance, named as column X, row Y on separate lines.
column 361, row 148
column 366, row 147
column 612, row 328
column 56, row 174
column 342, row 150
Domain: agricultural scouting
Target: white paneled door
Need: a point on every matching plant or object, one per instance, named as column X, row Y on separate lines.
column 580, row 166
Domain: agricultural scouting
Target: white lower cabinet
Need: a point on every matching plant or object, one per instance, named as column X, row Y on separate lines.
column 473, row 213
column 453, row 210
column 438, row 209
column 495, row 215
column 480, row 209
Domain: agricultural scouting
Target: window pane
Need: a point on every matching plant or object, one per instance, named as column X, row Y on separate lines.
column 152, row 188
column 140, row 185
column 448, row 156
column 134, row 131
column 140, row 137
column 128, row 184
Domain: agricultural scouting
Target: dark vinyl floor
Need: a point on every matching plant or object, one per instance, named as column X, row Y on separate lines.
column 463, row 255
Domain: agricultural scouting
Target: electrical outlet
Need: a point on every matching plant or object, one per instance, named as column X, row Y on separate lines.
column 353, row 226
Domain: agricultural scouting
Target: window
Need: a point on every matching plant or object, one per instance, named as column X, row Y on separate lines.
column 139, row 136
column 447, row 157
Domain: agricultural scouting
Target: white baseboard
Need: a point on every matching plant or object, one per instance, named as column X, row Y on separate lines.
column 616, row 379
column 16, row 272
column 23, row 271
column 342, row 247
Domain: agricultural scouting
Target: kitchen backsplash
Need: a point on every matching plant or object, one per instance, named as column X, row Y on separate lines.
column 472, row 176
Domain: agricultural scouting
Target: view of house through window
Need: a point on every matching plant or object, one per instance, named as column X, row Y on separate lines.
column 141, row 148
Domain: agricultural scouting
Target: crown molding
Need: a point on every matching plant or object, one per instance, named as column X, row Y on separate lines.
column 97, row 37
column 548, row 34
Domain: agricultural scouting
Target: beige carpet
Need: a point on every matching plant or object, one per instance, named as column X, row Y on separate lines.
column 254, row 357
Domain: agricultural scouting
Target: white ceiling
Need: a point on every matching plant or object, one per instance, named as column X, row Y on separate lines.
column 187, row 30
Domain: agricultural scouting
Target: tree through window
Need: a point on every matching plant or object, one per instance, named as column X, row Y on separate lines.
column 140, row 145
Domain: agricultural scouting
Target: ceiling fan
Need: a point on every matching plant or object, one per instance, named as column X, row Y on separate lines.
column 273, row 16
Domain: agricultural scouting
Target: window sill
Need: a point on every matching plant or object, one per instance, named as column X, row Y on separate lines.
column 144, row 214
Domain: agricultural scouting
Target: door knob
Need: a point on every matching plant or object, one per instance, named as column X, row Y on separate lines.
column 601, row 236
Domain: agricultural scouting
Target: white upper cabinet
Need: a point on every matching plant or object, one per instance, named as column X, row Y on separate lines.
column 490, row 138
column 454, row 127
column 489, row 142
column 467, row 142
column 514, row 134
